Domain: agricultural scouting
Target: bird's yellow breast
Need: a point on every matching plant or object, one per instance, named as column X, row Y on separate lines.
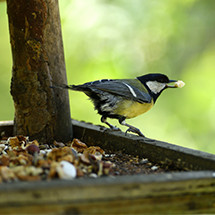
column 131, row 109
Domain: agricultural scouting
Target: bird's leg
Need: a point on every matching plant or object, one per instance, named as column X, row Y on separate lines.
column 131, row 128
column 104, row 120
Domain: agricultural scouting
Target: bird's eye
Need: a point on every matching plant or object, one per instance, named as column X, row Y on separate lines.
column 164, row 80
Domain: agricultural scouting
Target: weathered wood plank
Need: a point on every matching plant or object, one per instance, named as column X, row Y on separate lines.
column 161, row 205
column 167, row 193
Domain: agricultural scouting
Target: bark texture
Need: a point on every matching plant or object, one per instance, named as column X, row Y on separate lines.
column 38, row 61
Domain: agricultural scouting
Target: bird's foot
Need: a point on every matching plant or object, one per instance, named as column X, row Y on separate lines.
column 134, row 130
column 114, row 128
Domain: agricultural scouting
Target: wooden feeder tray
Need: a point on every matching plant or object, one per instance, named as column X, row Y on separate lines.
column 188, row 191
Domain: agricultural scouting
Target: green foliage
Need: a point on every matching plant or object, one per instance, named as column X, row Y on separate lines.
column 124, row 39
column 6, row 102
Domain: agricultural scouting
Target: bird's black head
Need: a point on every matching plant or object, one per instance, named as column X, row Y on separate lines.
column 155, row 83
column 154, row 77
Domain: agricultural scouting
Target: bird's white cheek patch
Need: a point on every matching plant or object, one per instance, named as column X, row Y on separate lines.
column 155, row 86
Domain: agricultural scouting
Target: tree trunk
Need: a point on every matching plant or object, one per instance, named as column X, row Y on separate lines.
column 38, row 61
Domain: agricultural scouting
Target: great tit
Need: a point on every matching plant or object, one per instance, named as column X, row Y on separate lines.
column 125, row 98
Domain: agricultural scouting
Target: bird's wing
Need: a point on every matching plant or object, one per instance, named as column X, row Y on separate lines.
column 120, row 88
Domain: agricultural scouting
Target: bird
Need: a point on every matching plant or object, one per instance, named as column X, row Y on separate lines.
column 125, row 98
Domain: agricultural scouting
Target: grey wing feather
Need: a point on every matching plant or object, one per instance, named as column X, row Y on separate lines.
column 122, row 89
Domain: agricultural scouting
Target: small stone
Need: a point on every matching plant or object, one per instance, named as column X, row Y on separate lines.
column 93, row 175
column 154, row 168
column 66, row 170
column 144, row 161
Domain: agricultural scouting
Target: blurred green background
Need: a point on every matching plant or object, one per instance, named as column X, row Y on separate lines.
column 125, row 39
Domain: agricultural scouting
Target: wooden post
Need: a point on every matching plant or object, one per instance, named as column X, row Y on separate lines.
column 38, row 61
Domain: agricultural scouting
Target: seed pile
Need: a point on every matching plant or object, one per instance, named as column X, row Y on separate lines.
column 24, row 160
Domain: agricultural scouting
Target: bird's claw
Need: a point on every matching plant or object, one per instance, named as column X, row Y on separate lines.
column 115, row 128
column 134, row 130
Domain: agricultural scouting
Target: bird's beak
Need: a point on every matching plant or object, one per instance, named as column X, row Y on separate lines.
column 177, row 84
column 170, row 82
